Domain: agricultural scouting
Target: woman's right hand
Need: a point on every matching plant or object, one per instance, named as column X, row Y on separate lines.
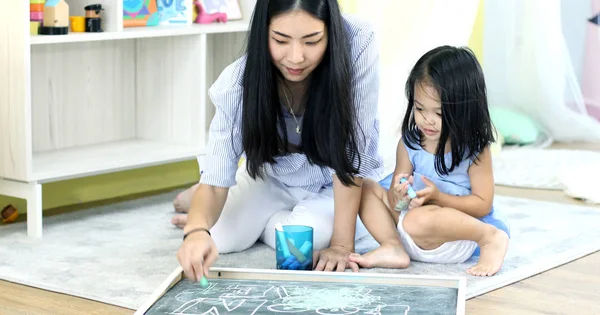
column 196, row 255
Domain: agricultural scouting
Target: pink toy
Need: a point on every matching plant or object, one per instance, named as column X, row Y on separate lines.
column 36, row 16
column 206, row 18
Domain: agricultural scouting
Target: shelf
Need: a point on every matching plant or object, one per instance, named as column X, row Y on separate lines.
column 143, row 32
column 108, row 157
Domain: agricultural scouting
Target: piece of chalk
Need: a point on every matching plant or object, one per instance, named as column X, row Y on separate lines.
column 290, row 260
column 282, row 240
column 301, row 258
column 411, row 192
column 305, row 248
column 294, row 266
column 204, row 282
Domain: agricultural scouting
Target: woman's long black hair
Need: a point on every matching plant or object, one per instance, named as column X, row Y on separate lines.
column 456, row 75
column 329, row 136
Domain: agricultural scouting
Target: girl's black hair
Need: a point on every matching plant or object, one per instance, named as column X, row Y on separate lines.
column 328, row 128
column 456, row 75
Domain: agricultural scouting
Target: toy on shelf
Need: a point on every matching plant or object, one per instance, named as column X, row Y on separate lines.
column 36, row 15
column 93, row 20
column 56, row 18
column 204, row 17
column 140, row 13
column 77, row 24
column 9, row 214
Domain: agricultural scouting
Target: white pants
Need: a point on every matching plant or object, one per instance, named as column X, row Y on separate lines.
column 253, row 207
column 448, row 253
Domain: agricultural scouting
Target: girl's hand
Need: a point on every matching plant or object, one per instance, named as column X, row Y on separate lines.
column 425, row 195
column 397, row 190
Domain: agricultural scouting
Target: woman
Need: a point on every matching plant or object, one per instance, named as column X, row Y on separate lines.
column 301, row 105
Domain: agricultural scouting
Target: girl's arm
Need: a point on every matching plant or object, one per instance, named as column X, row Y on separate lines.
column 403, row 165
column 479, row 202
column 404, row 168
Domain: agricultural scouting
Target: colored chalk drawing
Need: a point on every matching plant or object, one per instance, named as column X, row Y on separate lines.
column 226, row 296
column 175, row 11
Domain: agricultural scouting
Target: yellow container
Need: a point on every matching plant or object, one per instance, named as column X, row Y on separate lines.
column 77, row 23
column 34, row 26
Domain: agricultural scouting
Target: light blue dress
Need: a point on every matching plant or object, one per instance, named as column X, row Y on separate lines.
column 455, row 183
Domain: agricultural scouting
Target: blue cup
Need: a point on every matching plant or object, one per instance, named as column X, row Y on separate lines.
column 294, row 247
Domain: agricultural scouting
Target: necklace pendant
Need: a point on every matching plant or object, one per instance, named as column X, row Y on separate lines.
column 298, row 129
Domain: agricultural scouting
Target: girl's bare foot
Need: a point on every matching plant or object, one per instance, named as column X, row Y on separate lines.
column 183, row 200
column 493, row 249
column 386, row 256
column 179, row 220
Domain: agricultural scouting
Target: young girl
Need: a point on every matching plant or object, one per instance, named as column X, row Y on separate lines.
column 445, row 155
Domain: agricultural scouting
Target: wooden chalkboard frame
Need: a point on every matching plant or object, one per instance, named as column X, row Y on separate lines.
column 310, row 276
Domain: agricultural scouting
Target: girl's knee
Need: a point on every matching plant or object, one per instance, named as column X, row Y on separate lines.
column 420, row 222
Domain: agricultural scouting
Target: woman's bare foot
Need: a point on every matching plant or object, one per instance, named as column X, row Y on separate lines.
column 183, row 199
column 386, row 256
column 493, row 249
column 179, row 220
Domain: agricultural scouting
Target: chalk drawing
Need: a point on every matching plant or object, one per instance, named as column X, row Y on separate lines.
column 229, row 297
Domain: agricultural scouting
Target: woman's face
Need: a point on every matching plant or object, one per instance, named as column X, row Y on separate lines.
column 297, row 42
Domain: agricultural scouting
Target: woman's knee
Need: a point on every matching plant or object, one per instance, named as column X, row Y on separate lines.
column 232, row 242
column 420, row 222
column 322, row 227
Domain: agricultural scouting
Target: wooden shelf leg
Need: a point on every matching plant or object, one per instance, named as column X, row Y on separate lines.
column 32, row 193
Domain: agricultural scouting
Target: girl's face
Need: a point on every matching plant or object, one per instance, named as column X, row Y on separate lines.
column 428, row 111
column 297, row 42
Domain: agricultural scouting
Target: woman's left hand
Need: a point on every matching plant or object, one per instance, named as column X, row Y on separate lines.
column 333, row 258
column 425, row 195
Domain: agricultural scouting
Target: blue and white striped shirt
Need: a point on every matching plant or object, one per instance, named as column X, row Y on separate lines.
column 220, row 163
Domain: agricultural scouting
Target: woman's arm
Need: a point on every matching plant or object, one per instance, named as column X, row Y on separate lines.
column 346, row 203
column 365, row 81
column 479, row 202
column 219, row 166
column 365, row 84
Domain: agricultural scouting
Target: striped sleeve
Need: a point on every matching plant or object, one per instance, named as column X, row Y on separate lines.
column 220, row 163
column 366, row 96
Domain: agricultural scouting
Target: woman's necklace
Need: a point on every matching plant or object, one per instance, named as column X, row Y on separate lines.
column 298, row 131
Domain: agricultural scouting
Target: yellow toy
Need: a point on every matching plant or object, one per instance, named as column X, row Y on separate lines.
column 9, row 214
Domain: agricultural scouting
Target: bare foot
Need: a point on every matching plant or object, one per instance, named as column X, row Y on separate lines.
column 386, row 256
column 179, row 220
column 183, row 199
column 493, row 250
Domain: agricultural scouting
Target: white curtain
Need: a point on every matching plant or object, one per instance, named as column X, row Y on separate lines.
column 528, row 67
column 406, row 29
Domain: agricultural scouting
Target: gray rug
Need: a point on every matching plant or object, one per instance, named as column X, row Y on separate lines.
column 540, row 168
column 119, row 254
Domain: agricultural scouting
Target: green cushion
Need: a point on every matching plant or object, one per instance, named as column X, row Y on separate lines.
column 514, row 126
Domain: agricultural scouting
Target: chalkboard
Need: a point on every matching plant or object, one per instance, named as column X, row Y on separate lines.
column 238, row 296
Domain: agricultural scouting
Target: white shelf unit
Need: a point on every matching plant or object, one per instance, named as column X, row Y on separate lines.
column 92, row 103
